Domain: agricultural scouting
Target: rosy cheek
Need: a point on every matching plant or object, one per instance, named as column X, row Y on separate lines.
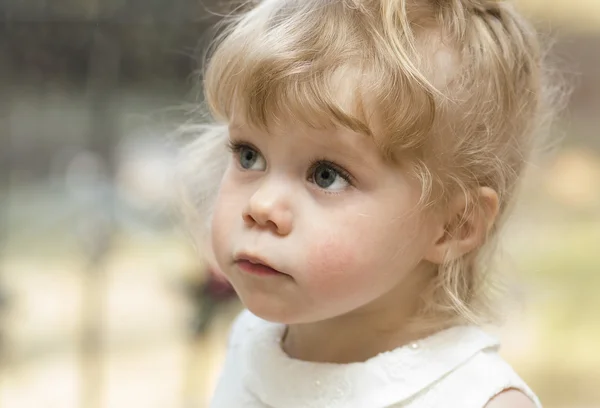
column 331, row 261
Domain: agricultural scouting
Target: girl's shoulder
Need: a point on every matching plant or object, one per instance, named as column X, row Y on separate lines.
column 478, row 382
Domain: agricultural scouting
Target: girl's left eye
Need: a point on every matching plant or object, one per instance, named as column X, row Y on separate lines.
column 328, row 177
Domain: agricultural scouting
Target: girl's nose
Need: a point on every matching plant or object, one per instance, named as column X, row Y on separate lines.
column 269, row 208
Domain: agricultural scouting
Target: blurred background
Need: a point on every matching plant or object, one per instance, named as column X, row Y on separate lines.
column 103, row 299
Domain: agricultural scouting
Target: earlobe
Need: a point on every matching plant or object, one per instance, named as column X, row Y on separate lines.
column 465, row 225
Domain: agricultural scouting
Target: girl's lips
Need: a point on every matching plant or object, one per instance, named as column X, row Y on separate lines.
column 255, row 266
column 256, row 269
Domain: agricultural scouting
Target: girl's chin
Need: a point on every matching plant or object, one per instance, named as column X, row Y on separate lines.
column 276, row 314
column 269, row 314
column 283, row 316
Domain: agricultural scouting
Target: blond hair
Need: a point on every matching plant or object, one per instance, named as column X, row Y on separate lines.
column 455, row 88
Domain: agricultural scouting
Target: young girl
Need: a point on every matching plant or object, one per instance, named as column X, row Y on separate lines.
column 375, row 146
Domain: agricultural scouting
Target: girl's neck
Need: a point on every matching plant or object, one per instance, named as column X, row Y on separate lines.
column 382, row 325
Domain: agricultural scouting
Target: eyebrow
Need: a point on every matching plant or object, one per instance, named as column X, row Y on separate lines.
column 235, row 127
column 342, row 144
column 240, row 129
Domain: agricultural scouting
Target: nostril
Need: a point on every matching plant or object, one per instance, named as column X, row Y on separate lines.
column 248, row 219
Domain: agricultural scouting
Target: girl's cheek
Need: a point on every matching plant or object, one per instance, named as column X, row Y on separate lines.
column 332, row 260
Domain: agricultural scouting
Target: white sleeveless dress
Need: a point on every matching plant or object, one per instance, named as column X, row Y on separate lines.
column 457, row 367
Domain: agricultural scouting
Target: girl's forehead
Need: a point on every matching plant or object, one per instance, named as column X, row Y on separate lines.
column 349, row 100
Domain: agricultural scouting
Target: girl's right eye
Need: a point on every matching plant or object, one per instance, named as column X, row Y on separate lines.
column 248, row 157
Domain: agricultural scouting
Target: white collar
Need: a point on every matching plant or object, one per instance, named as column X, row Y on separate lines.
column 388, row 378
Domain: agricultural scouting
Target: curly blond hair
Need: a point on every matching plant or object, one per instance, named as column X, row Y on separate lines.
column 456, row 88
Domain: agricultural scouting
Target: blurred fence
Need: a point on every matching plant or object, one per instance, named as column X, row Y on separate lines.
column 89, row 90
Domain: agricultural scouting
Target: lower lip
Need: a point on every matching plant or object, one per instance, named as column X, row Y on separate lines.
column 257, row 269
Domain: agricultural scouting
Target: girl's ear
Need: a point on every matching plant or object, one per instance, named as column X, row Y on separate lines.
column 464, row 225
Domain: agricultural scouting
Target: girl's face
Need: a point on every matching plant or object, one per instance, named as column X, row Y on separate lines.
column 338, row 226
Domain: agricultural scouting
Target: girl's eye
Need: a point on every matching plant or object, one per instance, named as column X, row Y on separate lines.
column 329, row 178
column 249, row 158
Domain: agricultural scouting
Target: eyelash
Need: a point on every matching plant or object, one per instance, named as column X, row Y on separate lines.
column 235, row 146
column 343, row 173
